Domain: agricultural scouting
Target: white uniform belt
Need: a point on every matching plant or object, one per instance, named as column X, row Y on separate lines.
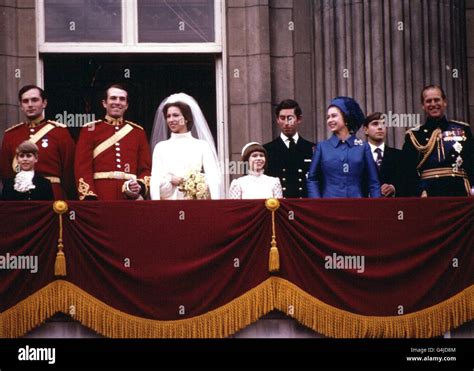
column 53, row 179
column 114, row 175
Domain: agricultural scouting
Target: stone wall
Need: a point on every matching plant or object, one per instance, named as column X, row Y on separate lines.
column 17, row 56
column 470, row 56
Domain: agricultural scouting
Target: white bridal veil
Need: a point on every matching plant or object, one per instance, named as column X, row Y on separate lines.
column 200, row 129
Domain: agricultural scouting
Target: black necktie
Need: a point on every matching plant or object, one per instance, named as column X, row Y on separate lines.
column 292, row 143
column 378, row 160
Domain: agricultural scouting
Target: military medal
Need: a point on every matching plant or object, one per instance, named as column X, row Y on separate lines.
column 457, row 147
column 44, row 143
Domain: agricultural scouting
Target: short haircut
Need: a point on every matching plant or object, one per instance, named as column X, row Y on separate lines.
column 26, row 88
column 27, row 147
column 116, row 86
column 185, row 111
column 422, row 96
column 254, row 147
column 371, row 117
column 288, row 104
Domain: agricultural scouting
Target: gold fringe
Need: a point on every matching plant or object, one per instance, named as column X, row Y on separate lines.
column 274, row 293
column 63, row 296
column 337, row 323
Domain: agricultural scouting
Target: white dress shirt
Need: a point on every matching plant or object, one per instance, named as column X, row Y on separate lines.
column 286, row 139
column 374, row 147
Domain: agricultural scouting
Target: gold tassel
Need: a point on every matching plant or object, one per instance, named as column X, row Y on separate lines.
column 60, row 207
column 273, row 204
column 274, row 259
column 60, row 264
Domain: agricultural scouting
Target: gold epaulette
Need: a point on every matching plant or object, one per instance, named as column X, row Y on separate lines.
column 91, row 123
column 460, row 122
column 57, row 124
column 14, row 126
column 133, row 124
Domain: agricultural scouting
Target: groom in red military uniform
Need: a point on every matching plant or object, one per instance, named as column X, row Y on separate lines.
column 113, row 160
column 56, row 147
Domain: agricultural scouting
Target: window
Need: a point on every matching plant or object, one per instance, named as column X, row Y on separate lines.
column 175, row 21
column 135, row 26
column 83, row 20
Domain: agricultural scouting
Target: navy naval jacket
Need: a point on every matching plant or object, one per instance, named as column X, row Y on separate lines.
column 291, row 166
column 439, row 159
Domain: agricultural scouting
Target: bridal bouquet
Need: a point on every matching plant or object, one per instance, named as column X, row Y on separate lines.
column 194, row 186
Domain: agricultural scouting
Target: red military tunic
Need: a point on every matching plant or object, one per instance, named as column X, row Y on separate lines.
column 103, row 177
column 55, row 157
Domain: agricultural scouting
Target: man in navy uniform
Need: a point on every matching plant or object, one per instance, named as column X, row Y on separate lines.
column 387, row 159
column 289, row 155
column 439, row 155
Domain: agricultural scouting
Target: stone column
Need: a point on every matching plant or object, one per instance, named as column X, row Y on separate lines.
column 382, row 53
column 17, row 56
column 470, row 56
column 292, row 72
column 248, row 45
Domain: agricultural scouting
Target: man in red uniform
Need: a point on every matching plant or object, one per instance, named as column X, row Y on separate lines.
column 113, row 160
column 56, row 147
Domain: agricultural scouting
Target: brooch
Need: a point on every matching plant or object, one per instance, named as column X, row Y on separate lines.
column 358, row 142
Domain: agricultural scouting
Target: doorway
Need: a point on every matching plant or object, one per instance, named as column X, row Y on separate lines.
column 75, row 84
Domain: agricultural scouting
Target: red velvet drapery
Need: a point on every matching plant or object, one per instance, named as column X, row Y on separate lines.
column 200, row 268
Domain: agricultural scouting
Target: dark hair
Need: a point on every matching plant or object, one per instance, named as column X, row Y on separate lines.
column 371, row 117
column 26, row 88
column 116, row 86
column 27, row 147
column 288, row 104
column 256, row 147
column 422, row 96
column 185, row 111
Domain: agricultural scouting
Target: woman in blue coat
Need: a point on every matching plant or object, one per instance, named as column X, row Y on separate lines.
column 341, row 163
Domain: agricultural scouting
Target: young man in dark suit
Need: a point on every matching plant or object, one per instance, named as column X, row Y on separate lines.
column 289, row 155
column 387, row 159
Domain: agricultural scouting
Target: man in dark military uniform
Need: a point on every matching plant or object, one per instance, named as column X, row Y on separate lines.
column 439, row 155
column 56, row 147
column 289, row 155
column 113, row 160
